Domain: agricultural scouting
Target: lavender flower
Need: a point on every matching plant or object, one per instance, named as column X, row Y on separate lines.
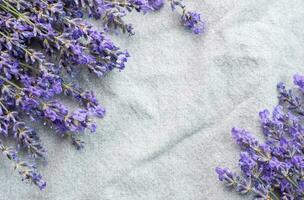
column 156, row 4
column 27, row 171
column 190, row 20
column 226, row 176
column 273, row 169
column 299, row 81
column 32, row 76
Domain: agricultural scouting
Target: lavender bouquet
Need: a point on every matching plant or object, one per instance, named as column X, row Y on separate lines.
column 42, row 43
column 273, row 169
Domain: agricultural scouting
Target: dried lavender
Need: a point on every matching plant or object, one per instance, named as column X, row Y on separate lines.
column 27, row 171
column 189, row 19
column 43, row 43
column 273, row 169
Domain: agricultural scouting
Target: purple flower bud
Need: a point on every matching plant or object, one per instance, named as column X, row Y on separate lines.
column 192, row 20
column 274, row 169
column 246, row 163
column 244, row 138
column 32, row 77
column 77, row 143
column 226, row 176
column 156, row 4
column 244, row 186
column 299, row 81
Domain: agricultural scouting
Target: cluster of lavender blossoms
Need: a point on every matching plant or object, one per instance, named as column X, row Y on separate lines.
column 273, row 169
column 42, row 44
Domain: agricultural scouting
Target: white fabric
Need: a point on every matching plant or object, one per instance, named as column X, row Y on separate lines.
column 170, row 112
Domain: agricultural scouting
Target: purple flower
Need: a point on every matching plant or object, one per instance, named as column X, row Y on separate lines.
column 244, row 138
column 34, row 78
column 192, row 20
column 226, row 176
column 246, row 163
column 29, row 173
column 298, row 162
column 273, row 169
column 54, row 111
column 156, row 4
column 299, row 81
column 28, row 138
column 77, row 143
column 274, row 163
column 244, row 185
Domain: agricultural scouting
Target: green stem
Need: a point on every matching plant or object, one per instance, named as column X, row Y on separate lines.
column 274, row 196
column 10, row 82
column 4, row 107
column 27, row 66
column 291, row 181
column 15, row 12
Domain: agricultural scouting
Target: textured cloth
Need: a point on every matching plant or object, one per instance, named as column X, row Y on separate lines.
column 170, row 112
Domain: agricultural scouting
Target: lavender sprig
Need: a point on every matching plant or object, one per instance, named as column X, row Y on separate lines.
column 277, row 165
column 28, row 172
column 191, row 20
column 43, row 43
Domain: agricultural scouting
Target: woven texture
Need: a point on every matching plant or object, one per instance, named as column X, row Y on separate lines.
column 170, row 112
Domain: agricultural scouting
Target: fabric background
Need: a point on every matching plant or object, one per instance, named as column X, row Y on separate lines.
column 170, row 112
